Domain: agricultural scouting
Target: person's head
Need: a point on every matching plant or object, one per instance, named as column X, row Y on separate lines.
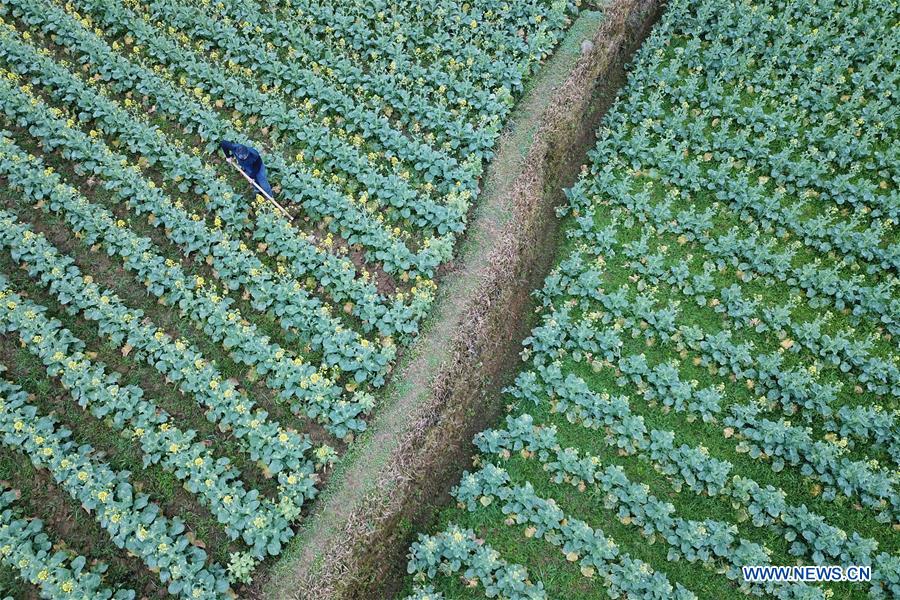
column 241, row 153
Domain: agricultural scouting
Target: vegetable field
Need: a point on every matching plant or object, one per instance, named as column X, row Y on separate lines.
column 713, row 378
column 181, row 365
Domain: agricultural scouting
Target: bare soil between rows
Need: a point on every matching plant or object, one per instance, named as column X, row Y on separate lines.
column 395, row 478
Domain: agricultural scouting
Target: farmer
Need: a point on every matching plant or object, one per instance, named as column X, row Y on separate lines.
column 250, row 162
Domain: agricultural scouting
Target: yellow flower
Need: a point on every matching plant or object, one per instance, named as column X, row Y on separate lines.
column 82, row 476
column 67, row 587
column 198, row 462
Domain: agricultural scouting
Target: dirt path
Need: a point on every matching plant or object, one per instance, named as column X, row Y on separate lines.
column 354, row 544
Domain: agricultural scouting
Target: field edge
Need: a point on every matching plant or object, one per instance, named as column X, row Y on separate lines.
column 354, row 543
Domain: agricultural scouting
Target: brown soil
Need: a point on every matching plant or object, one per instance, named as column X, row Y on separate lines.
column 354, row 545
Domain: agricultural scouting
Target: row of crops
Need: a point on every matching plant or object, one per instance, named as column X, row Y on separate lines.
column 714, row 376
column 181, row 365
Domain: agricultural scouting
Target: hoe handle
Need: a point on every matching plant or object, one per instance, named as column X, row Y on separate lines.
column 261, row 191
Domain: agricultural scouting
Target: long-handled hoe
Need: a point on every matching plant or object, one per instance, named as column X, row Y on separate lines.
column 231, row 162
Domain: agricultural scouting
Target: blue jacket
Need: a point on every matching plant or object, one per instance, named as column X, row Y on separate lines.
column 251, row 164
